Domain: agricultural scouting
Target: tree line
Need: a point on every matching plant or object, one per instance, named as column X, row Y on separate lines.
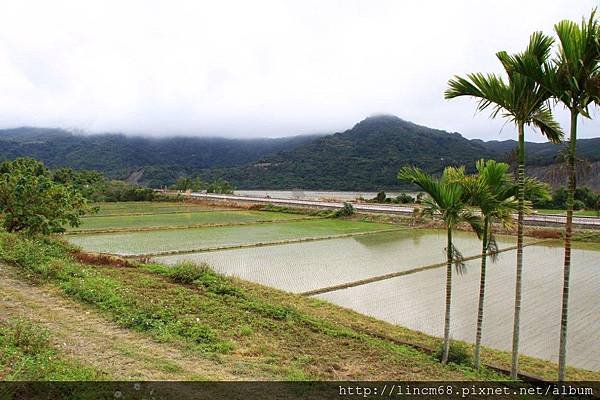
column 196, row 184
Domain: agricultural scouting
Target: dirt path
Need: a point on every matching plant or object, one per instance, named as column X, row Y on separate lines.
column 83, row 334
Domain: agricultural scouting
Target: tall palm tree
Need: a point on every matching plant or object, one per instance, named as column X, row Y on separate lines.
column 523, row 101
column 492, row 191
column 446, row 199
column 573, row 79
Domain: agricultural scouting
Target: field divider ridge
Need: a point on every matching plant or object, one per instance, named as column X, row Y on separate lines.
column 78, row 232
column 251, row 245
column 397, row 274
column 140, row 214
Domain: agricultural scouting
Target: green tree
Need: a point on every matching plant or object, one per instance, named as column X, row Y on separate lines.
column 446, row 199
column 220, row 186
column 32, row 203
column 492, row 190
column 573, row 79
column 524, row 102
column 182, row 183
column 91, row 184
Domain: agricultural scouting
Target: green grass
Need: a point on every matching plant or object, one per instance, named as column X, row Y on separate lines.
column 26, row 354
column 182, row 219
column 151, row 242
column 149, row 207
column 579, row 213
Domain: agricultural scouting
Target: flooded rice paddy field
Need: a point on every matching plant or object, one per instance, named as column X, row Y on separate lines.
column 152, row 242
column 351, row 251
column 417, row 302
column 301, row 267
column 150, row 208
column 182, row 219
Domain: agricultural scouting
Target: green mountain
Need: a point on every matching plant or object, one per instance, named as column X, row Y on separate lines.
column 366, row 157
column 152, row 161
column 539, row 154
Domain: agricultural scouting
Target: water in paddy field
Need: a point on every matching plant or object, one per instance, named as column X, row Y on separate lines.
column 302, row 267
column 139, row 243
column 417, row 302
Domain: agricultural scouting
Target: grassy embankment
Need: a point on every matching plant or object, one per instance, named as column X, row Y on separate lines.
column 249, row 331
column 578, row 213
column 27, row 354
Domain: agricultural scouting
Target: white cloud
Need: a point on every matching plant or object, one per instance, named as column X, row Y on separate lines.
column 259, row 68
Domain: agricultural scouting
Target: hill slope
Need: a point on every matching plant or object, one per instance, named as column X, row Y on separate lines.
column 368, row 156
column 162, row 159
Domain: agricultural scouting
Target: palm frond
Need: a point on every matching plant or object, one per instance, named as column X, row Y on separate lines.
column 492, row 247
column 490, row 90
column 473, row 220
column 458, row 260
column 578, row 63
column 542, row 118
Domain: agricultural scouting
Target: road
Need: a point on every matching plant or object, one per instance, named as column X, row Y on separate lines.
column 536, row 219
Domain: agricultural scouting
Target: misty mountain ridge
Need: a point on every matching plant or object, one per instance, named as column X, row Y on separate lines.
column 365, row 157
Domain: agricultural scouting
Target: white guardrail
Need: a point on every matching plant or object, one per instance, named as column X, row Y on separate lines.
column 591, row 222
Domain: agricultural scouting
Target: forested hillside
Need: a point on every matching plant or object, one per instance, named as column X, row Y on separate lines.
column 366, row 157
column 152, row 161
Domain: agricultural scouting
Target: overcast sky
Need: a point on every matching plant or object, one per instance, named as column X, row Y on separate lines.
column 258, row 68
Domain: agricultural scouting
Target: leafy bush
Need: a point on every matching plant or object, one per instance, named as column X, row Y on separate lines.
column 186, row 183
column 220, row 186
column 195, row 330
column 31, row 202
column 458, row 353
column 585, row 198
column 122, row 191
column 380, row 198
column 405, row 198
column 188, row 272
column 345, row 211
column 578, row 205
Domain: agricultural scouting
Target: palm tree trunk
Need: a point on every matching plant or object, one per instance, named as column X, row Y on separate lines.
column 562, row 352
column 477, row 355
column 448, row 297
column 514, row 369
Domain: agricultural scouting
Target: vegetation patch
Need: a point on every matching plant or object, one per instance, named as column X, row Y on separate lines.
column 27, row 354
column 458, row 353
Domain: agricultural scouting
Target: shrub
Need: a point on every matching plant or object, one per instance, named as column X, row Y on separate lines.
column 380, row 198
column 345, row 211
column 195, row 331
column 123, row 191
column 187, row 272
column 405, row 198
column 246, row 330
column 578, row 205
column 458, row 353
column 220, row 187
